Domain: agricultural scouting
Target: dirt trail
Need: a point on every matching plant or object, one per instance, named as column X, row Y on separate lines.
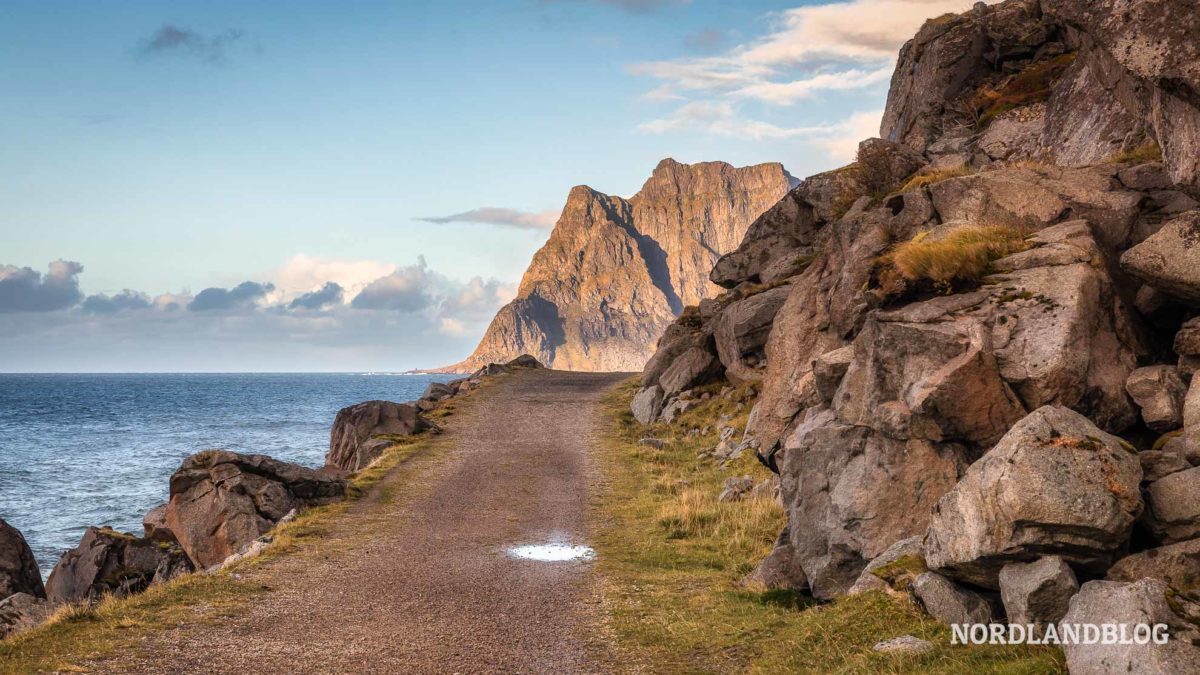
column 422, row 583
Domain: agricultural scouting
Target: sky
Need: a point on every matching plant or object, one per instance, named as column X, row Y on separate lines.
column 358, row 186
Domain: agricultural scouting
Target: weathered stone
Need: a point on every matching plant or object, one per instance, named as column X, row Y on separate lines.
column 1054, row 485
column 222, row 501
column 779, row 570
column 647, row 404
column 350, row 447
column 778, row 239
column 1037, row 593
column 851, row 493
column 949, row 602
column 1170, row 259
column 828, row 370
column 676, row 408
column 1147, row 176
column 154, row 525
column 1176, row 565
column 910, row 550
column 22, row 611
column 437, row 391
column 1168, row 459
column 735, row 488
column 905, row 644
column 692, row 368
column 108, row 562
column 1173, row 506
column 1187, row 339
column 741, row 331
column 18, row 568
column 525, row 361
column 1129, row 605
column 1159, row 392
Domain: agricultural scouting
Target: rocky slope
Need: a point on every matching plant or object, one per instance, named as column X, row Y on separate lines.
column 615, row 272
column 974, row 345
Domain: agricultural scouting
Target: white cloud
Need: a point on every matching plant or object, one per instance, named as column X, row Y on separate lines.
column 304, row 274
column 843, row 144
column 492, row 215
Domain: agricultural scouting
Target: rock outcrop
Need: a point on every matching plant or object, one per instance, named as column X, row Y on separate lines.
column 222, row 501
column 108, row 562
column 362, row 432
column 615, row 272
column 1129, row 605
column 18, row 568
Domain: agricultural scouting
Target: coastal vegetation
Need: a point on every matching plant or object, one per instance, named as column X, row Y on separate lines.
column 672, row 558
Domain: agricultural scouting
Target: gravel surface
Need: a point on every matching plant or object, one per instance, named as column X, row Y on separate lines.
column 416, row 577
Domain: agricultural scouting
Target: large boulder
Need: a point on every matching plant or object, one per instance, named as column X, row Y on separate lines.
column 1177, row 565
column 18, row 568
column 222, row 501
column 108, row 562
column 774, row 245
column 692, row 368
column 351, row 446
column 741, row 331
column 1173, row 506
column 1038, row 593
column 1130, row 605
column 1055, row 484
column 647, row 404
column 1170, row 259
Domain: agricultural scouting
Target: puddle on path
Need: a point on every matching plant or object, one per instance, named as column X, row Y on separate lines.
column 552, row 552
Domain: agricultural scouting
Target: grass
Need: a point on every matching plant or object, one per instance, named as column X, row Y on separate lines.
column 105, row 629
column 921, row 179
column 1028, row 86
column 1148, row 152
column 671, row 559
column 946, row 263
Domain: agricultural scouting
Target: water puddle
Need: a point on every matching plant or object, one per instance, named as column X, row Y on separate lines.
column 552, row 552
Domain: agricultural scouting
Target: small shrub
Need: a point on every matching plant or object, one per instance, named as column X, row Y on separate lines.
column 1028, row 86
column 920, row 180
column 962, row 256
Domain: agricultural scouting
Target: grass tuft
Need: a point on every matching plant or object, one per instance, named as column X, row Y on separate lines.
column 1148, row 152
column 921, row 179
column 1031, row 85
column 959, row 258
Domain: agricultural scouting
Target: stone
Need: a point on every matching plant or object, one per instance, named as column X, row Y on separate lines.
column 615, row 272
column 647, row 404
column 905, row 644
column 108, row 562
column 1173, row 506
column 675, row 408
column 154, row 525
column 740, row 331
column 437, row 391
column 1128, row 605
column 850, row 493
column 828, row 370
column 1176, row 565
column 1037, row 593
column 350, row 447
column 656, row 443
column 222, row 501
column 1187, row 338
column 947, row 602
column 911, row 551
column 1159, row 392
column 735, row 488
column 774, row 245
column 779, row 570
column 18, row 568
column 1169, row 259
column 1055, row 484
column 22, row 611
column 1147, row 176
column 693, row 367
column 1169, row 459
column 525, row 361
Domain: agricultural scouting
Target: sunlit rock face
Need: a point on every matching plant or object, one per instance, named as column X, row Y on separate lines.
column 615, row 272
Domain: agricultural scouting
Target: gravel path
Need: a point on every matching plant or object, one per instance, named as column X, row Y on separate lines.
column 415, row 577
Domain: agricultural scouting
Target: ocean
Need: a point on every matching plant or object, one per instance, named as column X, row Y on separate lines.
column 80, row 450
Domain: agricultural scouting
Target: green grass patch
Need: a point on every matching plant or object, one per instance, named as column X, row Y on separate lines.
column 671, row 589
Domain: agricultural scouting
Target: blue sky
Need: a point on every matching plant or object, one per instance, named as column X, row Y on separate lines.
column 425, row 148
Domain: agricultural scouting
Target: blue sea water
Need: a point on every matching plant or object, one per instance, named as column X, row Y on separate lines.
column 80, row 450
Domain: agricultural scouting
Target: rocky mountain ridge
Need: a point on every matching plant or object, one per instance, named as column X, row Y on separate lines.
column 615, row 272
column 975, row 345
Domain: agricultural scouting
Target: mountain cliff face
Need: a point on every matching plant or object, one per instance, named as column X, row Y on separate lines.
column 615, row 272
column 976, row 346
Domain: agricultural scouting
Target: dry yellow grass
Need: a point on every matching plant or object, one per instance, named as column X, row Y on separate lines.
column 921, row 179
column 1148, row 152
column 671, row 558
column 961, row 256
